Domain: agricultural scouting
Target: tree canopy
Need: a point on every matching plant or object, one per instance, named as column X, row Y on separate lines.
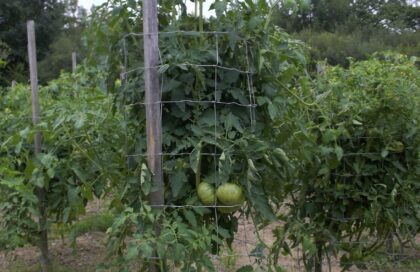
column 338, row 29
column 53, row 17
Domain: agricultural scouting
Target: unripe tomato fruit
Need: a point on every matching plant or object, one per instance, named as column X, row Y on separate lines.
column 230, row 194
column 206, row 193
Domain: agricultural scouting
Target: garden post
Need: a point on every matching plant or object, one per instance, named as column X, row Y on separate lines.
column 153, row 104
column 73, row 62
column 41, row 192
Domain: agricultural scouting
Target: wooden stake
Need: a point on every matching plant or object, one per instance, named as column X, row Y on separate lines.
column 73, row 62
column 153, row 105
column 41, row 192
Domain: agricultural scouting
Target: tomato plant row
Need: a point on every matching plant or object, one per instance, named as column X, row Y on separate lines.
column 334, row 158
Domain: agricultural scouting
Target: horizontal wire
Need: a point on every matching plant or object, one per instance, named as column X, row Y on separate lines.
column 140, row 68
column 164, row 33
column 194, row 206
column 171, row 154
column 179, row 154
column 212, row 102
column 193, row 101
column 185, row 64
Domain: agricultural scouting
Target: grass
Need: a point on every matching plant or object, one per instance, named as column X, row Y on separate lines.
column 97, row 222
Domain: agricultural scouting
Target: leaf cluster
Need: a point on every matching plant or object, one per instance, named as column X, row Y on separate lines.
column 81, row 152
column 357, row 163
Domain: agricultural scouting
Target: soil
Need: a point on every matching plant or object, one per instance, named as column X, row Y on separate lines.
column 90, row 252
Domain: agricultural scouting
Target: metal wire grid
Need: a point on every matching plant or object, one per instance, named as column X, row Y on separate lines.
column 252, row 105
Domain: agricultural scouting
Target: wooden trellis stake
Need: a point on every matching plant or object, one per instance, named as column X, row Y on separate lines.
column 73, row 62
column 41, row 192
column 153, row 105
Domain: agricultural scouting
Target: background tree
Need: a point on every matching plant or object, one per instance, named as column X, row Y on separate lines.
column 52, row 18
column 338, row 29
column 68, row 41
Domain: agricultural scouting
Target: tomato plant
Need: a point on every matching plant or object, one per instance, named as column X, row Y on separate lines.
column 261, row 71
column 356, row 163
column 81, row 155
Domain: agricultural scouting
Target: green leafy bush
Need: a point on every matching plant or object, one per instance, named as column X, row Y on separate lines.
column 357, row 166
column 228, row 141
column 81, row 151
column 337, row 47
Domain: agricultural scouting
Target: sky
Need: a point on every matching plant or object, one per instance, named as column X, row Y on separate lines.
column 87, row 4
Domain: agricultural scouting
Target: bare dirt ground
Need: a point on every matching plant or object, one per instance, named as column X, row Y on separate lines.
column 90, row 252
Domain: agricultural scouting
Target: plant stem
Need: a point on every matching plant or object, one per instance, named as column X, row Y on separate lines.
column 318, row 257
column 43, row 233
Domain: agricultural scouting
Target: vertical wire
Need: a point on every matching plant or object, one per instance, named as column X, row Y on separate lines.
column 215, row 135
column 161, row 128
column 250, row 87
column 251, row 116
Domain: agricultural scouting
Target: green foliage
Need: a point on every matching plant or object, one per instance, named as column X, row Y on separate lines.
column 330, row 15
column 4, row 54
column 357, row 165
column 395, row 15
column 338, row 46
column 52, row 18
column 336, row 30
column 59, row 58
column 80, row 155
column 180, row 244
column 239, row 140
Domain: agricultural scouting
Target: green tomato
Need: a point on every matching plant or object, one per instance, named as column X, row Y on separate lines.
column 230, row 194
column 206, row 193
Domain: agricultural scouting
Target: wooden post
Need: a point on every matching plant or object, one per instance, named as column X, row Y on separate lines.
column 14, row 84
column 41, row 192
column 153, row 105
column 73, row 62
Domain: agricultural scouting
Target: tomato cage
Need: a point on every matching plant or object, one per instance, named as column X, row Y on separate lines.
column 207, row 103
